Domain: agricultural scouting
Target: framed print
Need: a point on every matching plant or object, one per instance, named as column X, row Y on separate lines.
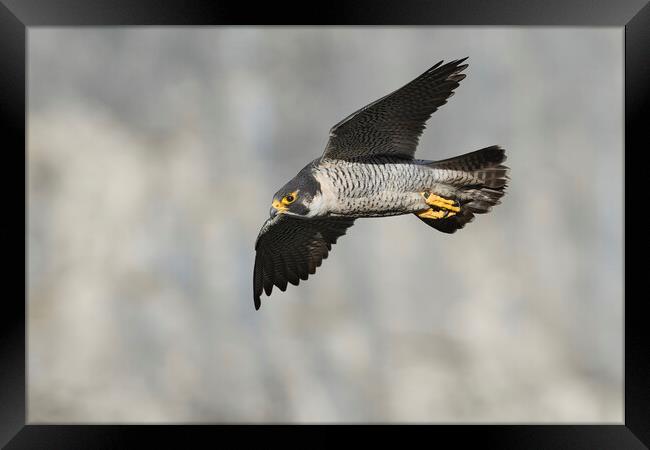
column 152, row 139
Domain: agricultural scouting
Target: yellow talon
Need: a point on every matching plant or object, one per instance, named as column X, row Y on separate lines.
column 431, row 214
column 440, row 202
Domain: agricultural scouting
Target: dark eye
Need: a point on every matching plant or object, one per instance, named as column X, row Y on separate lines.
column 290, row 198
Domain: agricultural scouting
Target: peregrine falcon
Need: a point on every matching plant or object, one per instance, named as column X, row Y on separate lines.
column 368, row 170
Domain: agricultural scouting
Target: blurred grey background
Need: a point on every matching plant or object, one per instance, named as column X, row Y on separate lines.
column 153, row 155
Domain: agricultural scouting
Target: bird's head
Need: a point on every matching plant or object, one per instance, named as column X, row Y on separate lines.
column 300, row 197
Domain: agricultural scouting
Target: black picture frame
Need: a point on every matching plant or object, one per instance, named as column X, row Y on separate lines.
column 17, row 15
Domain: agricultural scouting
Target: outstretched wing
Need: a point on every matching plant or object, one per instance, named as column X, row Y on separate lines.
column 289, row 249
column 393, row 124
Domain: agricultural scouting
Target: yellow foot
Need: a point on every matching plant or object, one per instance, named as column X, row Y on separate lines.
column 431, row 214
column 440, row 202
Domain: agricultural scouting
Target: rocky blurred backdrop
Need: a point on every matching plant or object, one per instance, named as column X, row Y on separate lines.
column 153, row 154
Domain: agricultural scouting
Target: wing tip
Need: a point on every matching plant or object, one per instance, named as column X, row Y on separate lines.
column 458, row 62
column 257, row 302
column 458, row 65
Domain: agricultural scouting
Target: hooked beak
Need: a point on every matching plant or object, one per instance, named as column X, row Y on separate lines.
column 277, row 208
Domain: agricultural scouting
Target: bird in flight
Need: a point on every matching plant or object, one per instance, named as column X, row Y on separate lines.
column 368, row 170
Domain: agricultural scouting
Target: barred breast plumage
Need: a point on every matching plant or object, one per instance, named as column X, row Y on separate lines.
column 372, row 187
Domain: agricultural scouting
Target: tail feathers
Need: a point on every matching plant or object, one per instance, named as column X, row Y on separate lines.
column 482, row 186
column 493, row 177
column 484, row 158
column 481, row 200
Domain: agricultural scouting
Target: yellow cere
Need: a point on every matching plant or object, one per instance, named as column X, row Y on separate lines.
column 281, row 205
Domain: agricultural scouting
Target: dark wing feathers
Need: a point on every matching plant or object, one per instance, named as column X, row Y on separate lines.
column 393, row 124
column 290, row 249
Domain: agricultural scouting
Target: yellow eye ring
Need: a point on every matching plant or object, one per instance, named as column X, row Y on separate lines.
column 288, row 199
